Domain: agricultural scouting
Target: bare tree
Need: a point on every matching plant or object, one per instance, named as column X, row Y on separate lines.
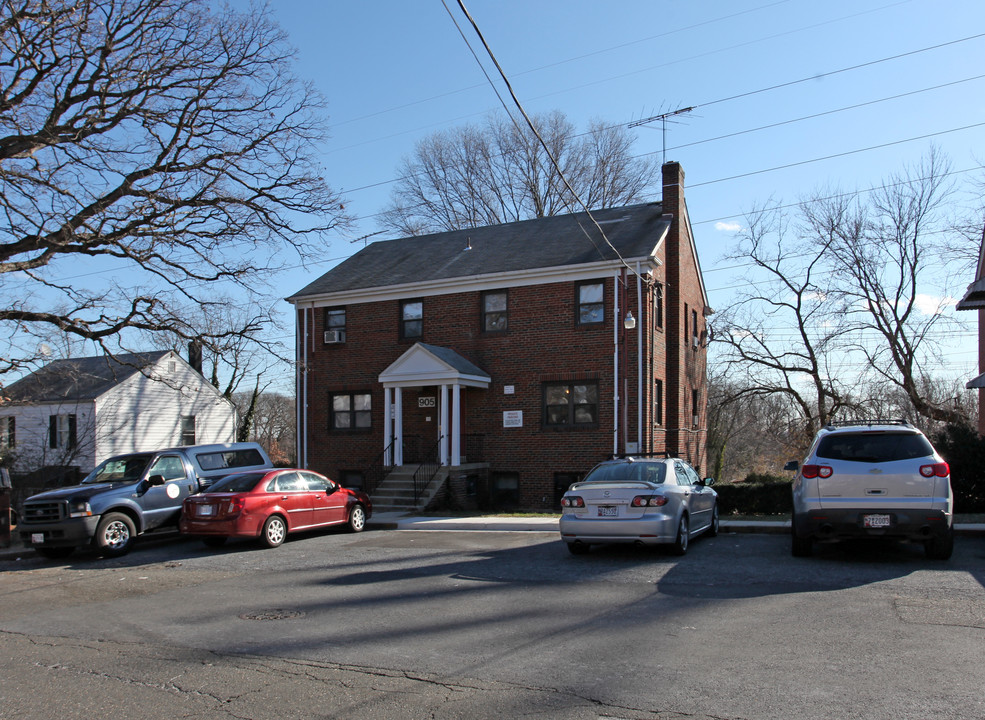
column 272, row 423
column 881, row 254
column 473, row 176
column 839, row 301
column 780, row 335
column 164, row 142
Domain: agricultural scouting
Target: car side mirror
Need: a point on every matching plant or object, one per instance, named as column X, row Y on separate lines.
column 792, row 466
column 156, row 480
column 708, row 481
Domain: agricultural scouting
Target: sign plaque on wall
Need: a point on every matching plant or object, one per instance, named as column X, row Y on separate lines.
column 425, row 402
column 513, row 418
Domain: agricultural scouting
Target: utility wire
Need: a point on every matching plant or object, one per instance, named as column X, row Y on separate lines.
column 533, row 129
column 569, row 60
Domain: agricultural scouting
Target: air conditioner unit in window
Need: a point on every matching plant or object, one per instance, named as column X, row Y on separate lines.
column 694, row 341
column 334, row 336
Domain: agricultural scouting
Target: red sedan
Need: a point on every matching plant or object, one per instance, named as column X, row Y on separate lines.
column 270, row 504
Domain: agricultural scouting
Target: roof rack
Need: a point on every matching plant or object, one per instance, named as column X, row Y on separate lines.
column 631, row 456
column 874, row 421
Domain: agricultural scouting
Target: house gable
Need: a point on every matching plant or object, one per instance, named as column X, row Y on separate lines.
column 430, row 364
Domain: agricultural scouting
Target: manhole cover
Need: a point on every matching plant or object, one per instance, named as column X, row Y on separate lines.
column 272, row 615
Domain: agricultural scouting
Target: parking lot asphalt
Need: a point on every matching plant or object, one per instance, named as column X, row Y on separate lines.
column 505, row 523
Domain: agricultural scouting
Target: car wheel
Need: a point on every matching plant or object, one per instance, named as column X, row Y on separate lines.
column 577, row 548
column 800, row 546
column 115, row 534
column 54, row 553
column 940, row 548
column 713, row 528
column 357, row 518
column 215, row 541
column 274, row 531
column 683, row 536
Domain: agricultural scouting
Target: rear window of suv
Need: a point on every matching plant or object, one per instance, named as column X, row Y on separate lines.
column 874, row 447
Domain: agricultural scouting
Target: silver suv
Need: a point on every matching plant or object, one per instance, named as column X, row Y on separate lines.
column 876, row 479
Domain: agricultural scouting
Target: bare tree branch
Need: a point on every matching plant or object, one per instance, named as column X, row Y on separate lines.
column 162, row 139
column 472, row 176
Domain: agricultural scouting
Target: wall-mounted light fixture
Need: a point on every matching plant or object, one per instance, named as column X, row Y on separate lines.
column 630, row 322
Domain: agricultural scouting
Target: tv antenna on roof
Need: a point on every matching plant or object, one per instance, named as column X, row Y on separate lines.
column 663, row 117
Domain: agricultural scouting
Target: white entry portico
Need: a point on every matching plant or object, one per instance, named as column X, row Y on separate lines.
column 429, row 365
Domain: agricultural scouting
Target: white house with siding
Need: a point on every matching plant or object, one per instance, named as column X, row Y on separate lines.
column 80, row 411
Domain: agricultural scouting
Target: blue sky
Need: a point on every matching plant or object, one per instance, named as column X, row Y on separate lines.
column 395, row 71
column 790, row 96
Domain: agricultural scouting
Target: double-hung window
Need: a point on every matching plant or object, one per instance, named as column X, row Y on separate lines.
column 591, row 308
column 411, row 319
column 187, row 430
column 334, row 325
column 573, row 404
column 351, row 411
column 494, row 312
column 8, row 432
column 61, row 432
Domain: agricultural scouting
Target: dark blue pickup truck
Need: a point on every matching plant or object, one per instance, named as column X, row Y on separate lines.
column 127, row 495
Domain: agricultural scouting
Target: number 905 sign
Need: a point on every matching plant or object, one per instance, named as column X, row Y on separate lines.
column 426, row 402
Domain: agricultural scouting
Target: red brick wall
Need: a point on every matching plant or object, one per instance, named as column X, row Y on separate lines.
column 543, row 344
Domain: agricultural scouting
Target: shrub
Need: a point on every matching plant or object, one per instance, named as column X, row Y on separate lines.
column 964, row 451
column 759, row 497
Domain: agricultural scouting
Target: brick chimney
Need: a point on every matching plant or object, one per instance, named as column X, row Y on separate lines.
column 195, row 355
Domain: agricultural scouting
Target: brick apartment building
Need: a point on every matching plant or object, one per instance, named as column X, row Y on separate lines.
column 509, row 359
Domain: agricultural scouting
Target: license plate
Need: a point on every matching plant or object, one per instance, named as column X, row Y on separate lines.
column 876, row 521
column 37, row 538
column 206, row 510
column 608, row 511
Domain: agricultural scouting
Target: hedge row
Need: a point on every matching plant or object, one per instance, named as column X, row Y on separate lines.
column 754, row 498
column 769, row 495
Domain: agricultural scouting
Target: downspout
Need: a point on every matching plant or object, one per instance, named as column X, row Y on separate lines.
column 615, row 364
column 303, row 392
column 639, row 358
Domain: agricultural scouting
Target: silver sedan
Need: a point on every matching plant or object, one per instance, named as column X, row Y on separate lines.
column 639, row 500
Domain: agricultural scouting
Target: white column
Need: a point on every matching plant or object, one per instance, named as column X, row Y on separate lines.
column 443, row 425
column 398, row 422
column 456, row 425
column 388, row 424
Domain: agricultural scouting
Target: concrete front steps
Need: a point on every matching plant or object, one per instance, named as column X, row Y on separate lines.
column 396, row 492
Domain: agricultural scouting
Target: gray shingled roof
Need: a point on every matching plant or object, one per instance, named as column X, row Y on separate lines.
column 79, row 378
column 455, row 360
column 546, row 242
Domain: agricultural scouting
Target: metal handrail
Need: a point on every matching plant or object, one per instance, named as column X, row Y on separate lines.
column 427, row 470
column 379, row 469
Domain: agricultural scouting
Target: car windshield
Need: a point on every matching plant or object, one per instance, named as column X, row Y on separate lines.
column 874, row 447
column 241, row 482
column 123, row 469
column 628, row 472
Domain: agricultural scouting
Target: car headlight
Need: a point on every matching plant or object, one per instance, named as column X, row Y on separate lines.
column 79, row 508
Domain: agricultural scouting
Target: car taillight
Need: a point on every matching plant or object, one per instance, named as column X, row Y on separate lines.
column 813, row 471
column 235, row 506
column 649, row 501
column 573, row 501
column 941, row 469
